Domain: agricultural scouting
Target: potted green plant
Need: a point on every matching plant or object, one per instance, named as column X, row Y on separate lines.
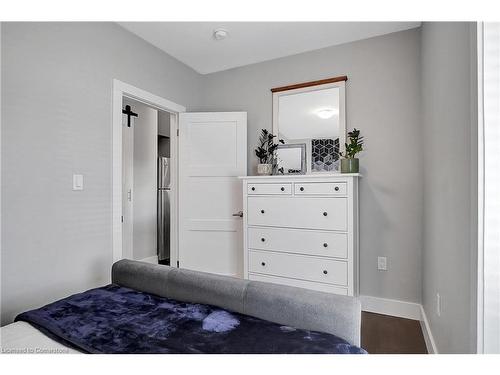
column 265, row 152
column 349, row 163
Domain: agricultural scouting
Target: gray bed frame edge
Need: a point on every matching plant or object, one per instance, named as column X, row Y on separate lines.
column 296, row 307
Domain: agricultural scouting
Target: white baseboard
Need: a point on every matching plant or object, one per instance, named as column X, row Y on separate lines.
column 153, row 259
column 426, row 330
column 401, row 309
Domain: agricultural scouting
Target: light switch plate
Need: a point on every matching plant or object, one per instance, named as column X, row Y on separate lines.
column 382, row 263
column 78, row 182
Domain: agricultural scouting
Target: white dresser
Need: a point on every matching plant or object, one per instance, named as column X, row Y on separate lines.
column 302, row 231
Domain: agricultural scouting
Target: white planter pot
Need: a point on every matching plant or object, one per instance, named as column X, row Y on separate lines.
column 264, row 169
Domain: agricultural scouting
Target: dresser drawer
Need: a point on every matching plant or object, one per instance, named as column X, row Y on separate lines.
column 298, row 267
column 329, row 288
column 327, row 244
column 269, row 189
column 298, row 212
column 321, row 188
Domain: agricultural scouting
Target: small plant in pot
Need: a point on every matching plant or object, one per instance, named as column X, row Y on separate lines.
column 266, row 152
column 349, row 163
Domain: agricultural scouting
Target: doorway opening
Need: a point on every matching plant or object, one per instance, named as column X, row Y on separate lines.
column 145, row 183
column 146, row 192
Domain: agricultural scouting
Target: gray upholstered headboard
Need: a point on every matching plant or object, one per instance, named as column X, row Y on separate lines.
column 296, row 307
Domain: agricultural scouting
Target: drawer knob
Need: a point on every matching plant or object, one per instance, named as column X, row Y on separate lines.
column 325, row 213
column 325, row 245
column 336, row 188
column 301, row 188
column 262, row 211
column 282, row 188
column 263, row 264
column 253, row 188
column 263, row 239
column 325, row 272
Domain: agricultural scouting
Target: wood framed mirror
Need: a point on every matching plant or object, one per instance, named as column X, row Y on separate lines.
column 313, row 113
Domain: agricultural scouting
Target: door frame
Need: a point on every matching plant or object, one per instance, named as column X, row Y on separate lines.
column 484, row 290
column 121, row 90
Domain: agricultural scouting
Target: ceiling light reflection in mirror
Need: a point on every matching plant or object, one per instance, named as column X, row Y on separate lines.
column 309, row 115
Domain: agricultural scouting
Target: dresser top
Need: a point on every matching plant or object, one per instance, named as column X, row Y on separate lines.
column 301, row 176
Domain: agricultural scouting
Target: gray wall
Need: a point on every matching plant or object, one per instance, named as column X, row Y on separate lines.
column 450, row 135
column 164, row 123
column 383, row 100
column 56, row 121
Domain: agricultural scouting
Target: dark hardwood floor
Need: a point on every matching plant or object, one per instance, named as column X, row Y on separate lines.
column 383, row 334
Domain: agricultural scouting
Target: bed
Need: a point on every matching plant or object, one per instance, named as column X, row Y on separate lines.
column 158, row 309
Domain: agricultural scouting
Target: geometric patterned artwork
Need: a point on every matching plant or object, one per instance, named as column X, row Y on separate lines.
column 325, row 155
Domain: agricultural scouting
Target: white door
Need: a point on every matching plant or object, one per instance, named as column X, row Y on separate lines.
column 127, row 185
column 212, row 154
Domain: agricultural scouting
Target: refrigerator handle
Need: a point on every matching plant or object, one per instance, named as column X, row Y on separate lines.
column 159, row 229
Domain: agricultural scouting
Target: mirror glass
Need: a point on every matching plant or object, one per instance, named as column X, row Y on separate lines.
column 309, row 115
column 313, row 116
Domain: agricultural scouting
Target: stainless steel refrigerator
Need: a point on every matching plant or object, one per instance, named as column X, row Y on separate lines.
column 163, row 230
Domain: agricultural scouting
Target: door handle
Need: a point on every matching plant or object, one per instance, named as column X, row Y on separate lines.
column 239, row 214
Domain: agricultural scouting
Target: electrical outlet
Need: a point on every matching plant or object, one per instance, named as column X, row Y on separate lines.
column 438, row 304
column 382, row 263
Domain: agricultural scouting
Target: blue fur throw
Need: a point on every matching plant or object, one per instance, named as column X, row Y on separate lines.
column 113, row 319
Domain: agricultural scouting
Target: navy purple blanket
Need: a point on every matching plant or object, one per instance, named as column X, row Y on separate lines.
column 113, row 319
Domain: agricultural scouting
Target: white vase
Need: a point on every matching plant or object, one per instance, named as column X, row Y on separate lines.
column 264, row 169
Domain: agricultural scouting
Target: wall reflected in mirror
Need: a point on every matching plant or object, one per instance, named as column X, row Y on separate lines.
column 312, row 115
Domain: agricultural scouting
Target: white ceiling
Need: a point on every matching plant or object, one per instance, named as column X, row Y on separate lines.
column 252, row 42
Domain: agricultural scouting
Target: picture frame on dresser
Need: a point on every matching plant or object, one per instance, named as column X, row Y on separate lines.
column 313, row 113
column 291, row 159
column 302, row 231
